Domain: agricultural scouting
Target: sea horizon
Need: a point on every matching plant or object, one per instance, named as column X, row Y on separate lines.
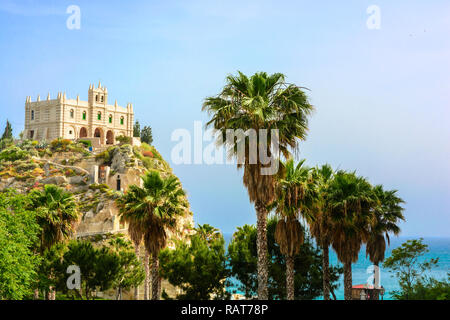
column 439, row 247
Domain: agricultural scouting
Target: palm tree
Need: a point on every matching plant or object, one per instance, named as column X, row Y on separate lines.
column 320, row 227
column 260, row 102
column 351, row 203
column 151, row 209
column 208, row 232
column 56, row 214
column 388, row 214
column 295, row 196
column 136, row 234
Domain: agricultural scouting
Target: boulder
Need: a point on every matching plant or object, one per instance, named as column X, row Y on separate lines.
column 121, row 157
column 89, row 214
column 77, row 180
column 100, row 206
column 58, row 180
column 7, row 182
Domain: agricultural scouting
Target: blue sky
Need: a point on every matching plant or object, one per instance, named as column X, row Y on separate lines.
column 381, row 96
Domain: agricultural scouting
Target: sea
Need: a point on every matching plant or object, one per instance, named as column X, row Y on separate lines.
column 363, row 269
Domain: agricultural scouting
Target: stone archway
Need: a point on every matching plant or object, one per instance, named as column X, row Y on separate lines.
column 98, row 133
column 83, row 132
column 109, row 137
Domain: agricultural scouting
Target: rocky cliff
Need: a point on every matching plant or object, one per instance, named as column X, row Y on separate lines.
column 92, row 177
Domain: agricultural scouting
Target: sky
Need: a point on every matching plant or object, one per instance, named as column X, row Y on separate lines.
column 381, row 95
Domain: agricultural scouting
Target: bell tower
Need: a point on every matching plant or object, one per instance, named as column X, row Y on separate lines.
column 97, row 96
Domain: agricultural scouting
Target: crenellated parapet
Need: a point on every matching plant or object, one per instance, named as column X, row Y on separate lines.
column 75, row 119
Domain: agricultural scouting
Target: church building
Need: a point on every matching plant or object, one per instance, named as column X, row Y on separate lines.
column 73, row 119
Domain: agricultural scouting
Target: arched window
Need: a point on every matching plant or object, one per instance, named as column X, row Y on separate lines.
column 118, row 183
column 99, row 115
column 72, row 113
column 110, row 118
column 96, row 98
column 121, row 120
column 101, row 98
column 84, row 115
column 32, row 114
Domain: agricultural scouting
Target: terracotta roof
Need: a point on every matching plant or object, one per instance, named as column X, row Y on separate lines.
column 364, row 286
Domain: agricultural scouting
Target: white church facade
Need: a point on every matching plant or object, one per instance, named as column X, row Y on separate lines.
column 73, row 119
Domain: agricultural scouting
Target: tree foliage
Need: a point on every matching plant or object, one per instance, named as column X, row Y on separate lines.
column 18, row 237
column 99, row 267
column 147, row 135
column 307, row 265
column 198, row 268
column 406, row 263
column 429, row 288
column 137, row 129
column 7, row 138
column 131, row 273
column 248, row 104
column 7, row 134
column 57, row 214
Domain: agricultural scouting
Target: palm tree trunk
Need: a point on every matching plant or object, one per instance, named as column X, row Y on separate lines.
column 261, row 244
column 159, row 287
column 155, row 277
column 136, row 289
column 147, row 275
column 326, row 272
column 376, row 293
column 290, row 277
column 36, row 294
column 348, row 280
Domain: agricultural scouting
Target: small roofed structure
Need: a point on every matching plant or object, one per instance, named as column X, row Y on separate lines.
column 367, row 292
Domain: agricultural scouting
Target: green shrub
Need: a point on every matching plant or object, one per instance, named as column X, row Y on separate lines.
column 146, row 147
column 124, row 140
column 106, row 156
column 60, row 145
column 13, row 153
column 87, row 143
column 102, row 187
column 23, row 166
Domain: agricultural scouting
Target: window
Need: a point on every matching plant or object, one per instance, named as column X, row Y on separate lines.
column 99, row 116
column 101, row 98
column 118, row 186
column 70, row 131
column 31, row 134
column 121, row 120
column 32, row 114
column 110, row 118
column 71, row 113
column 84, row 115
column 96, row 98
